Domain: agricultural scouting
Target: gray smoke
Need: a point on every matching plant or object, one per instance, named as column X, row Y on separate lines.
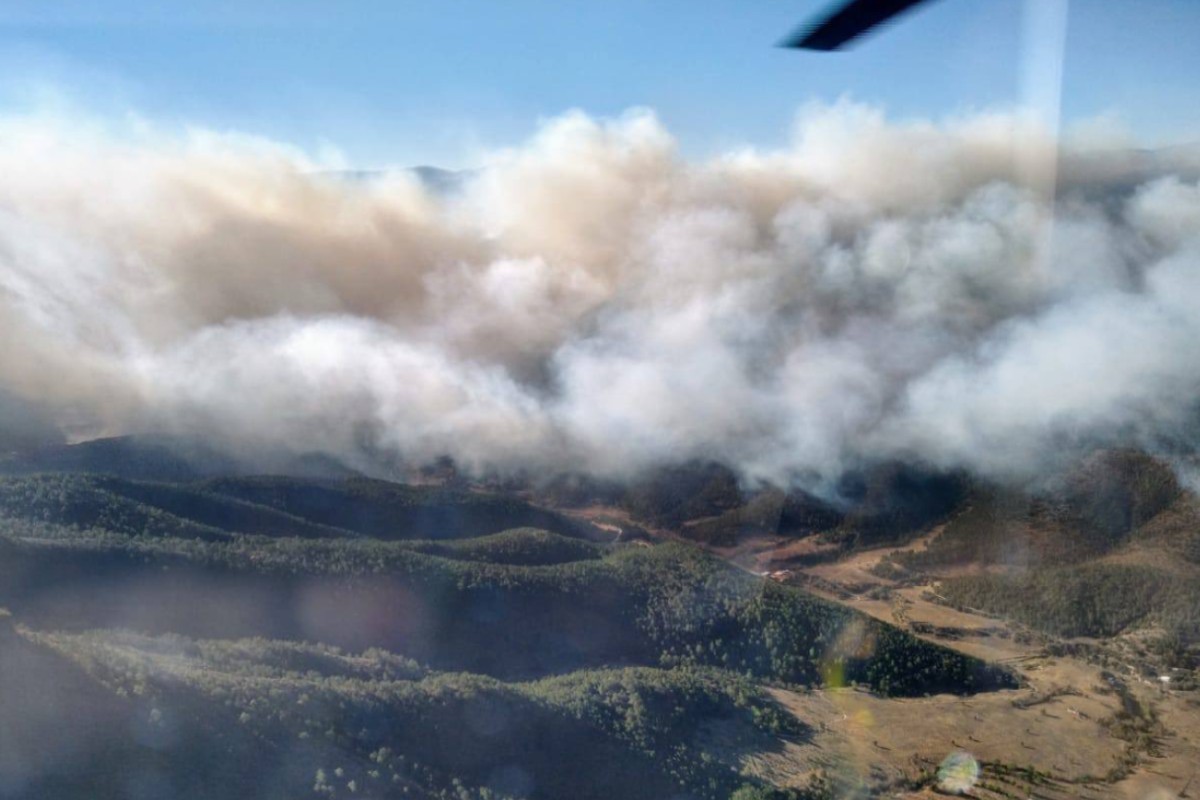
column 592, row 301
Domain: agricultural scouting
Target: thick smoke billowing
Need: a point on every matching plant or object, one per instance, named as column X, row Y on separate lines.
column 593, row 301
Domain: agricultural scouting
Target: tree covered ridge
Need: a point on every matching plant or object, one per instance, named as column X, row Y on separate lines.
column 1106, row 502
column 1088, row 600
column 671, row 605
column 341, row 637
column 377, row 723
column 269, row 506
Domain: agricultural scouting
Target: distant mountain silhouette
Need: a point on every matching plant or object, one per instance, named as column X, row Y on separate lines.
column 437, row 180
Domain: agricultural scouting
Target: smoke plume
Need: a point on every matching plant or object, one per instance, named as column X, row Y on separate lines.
column 593, row 301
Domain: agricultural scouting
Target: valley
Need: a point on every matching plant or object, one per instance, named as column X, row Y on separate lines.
column 337, row 636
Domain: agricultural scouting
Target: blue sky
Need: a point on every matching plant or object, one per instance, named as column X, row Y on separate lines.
column 418, row 81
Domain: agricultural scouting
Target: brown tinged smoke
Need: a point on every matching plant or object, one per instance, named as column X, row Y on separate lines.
column 592, row 301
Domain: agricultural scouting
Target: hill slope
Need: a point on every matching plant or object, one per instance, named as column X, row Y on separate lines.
column 482, row 651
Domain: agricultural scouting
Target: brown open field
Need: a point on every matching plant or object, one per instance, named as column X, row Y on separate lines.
column 1059, row 724
column 1053, row 739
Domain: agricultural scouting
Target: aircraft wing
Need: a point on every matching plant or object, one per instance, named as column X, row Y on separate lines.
column 848, row 22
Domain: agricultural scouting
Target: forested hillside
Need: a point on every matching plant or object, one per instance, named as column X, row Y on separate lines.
column 336, row 724
column 352, row 637
column 1088, row 600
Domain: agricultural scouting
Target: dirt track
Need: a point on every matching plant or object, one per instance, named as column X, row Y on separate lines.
column 1051, row 739
column 1056, row 725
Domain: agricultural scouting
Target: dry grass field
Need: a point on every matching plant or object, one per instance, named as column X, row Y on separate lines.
column 1076, row 728
column 1054, row 738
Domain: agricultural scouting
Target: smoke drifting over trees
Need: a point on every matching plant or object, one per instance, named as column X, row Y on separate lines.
column 593, row 301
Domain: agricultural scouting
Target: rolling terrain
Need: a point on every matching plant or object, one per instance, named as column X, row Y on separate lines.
column 341, row 636
column 350, row 637
column 1086, row 585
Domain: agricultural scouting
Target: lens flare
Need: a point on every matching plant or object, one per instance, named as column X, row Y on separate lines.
column 958, row 773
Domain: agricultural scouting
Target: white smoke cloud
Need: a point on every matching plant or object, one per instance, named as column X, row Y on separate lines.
column 590, row 300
